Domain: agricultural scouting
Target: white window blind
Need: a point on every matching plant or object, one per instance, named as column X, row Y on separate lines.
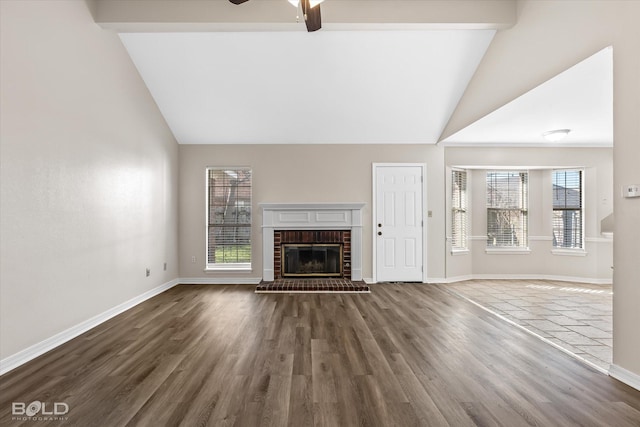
column 567, row 209
column 507, row 201
column 228, row 217
column 459, row 209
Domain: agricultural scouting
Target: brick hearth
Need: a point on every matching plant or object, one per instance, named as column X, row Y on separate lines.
column 313, row 285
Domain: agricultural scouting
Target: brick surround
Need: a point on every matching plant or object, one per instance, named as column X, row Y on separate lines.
column 281, row 237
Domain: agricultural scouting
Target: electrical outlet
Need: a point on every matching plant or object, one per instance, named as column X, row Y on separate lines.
column 630, row 191
column 165, row 266
column 193, row 259
column 148, row 272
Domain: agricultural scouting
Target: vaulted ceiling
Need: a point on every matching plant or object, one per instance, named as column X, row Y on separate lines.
column 379, row 71
column 296, row 87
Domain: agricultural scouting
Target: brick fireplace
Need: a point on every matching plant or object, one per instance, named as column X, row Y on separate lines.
column 307, row 225
column 335, row 242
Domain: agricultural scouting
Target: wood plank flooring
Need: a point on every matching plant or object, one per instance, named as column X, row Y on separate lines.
column 403, row 355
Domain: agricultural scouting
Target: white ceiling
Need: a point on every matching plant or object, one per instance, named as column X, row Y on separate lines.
column 579, row 99
column 298, row 87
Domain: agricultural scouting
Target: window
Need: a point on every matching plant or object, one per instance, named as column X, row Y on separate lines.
column 228, row 218
column 507, row 201
column 567, row 209
column 458, row 209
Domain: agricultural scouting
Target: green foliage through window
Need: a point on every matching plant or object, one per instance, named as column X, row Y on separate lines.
column 228, row 216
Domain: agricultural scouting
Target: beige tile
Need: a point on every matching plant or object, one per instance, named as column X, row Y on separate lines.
column 573, row 338
column 576, row 316
column 590, row 331
column 547, row 326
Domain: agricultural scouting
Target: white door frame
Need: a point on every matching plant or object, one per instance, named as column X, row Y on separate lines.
column 374, row 210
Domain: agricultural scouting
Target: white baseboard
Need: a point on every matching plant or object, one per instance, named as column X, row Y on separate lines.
column 525, row 277
column 219, row 280
column 11, row 362
column 455, row 279
column 629, row 378
column 449, row 279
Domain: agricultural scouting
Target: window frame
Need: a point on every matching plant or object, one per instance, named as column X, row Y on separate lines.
column 523, row 209
column 564, row 250
column 461, row 207
column 222, row 266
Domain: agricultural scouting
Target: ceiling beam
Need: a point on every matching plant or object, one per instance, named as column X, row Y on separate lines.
column 279, row 15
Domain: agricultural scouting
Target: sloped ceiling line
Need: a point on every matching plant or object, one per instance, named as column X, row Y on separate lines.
column 579, row 99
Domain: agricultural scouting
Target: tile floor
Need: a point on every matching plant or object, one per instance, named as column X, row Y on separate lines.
column 574, row 316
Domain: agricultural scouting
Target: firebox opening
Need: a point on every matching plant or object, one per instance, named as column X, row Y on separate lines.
column 312, row 260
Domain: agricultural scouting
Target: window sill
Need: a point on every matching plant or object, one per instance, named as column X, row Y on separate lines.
column 508, row 251
column 456, row 252
column 569, row 252
column 228, row 267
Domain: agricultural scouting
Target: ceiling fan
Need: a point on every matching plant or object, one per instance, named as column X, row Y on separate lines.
column 310, row 10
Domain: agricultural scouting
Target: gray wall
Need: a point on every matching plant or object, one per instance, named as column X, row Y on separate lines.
column 597, row 163
column 88, row 174
column 302, row 173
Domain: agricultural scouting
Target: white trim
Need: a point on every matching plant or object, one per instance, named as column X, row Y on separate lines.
column 374, row 208
column 453, row 279
column 312, row 206
column 599, row 239
column 210, row 267
column 540, row 238
column 590, row 280
column 220, row 280
column 569, row 252
column 240, row 266
column 456, row 252
column 507, row 251
column 629, row 378
column 11, row 362
column 311, row 216
column 368, row 280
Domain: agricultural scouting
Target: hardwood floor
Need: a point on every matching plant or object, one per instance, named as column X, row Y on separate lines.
column 403, row 355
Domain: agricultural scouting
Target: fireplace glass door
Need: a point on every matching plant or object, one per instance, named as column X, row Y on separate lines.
column 312, row 260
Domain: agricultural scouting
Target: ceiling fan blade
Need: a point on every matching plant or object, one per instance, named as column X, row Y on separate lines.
column 311, row 16
column 238, row 1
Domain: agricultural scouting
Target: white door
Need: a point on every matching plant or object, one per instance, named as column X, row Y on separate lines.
column 398, row 223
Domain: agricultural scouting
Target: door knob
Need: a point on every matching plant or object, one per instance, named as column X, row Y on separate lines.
column 379, row 233
column 379, row 225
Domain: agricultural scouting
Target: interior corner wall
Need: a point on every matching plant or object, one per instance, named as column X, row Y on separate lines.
column 594, row 266
column 88, row 175
column 549, row 37
column 302, row 173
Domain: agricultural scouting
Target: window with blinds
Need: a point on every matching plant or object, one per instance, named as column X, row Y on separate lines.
column 228, row 218
column 567, row 209
column 507, row 203
column 458, row 209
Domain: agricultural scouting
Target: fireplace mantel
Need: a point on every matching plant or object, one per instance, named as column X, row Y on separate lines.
column 311, row 216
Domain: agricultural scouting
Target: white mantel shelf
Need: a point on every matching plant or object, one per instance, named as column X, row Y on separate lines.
column 311, row 206
column 311, row 216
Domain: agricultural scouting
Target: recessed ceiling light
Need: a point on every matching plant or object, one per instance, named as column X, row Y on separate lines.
column 556, row 135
